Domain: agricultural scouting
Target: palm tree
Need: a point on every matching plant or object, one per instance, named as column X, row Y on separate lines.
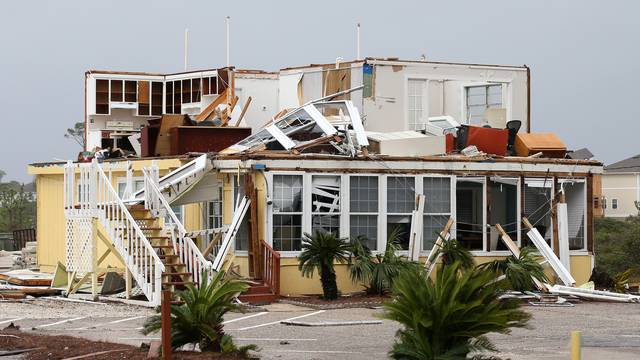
column 199, row 319
column 320, row 252
column 449, row 317
column 520, row 272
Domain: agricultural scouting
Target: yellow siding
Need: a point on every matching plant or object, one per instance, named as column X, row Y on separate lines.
column 50, row 212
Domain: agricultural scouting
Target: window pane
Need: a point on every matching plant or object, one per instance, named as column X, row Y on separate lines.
column 437, row 192
column 432, row 226
column 326, row 223
column 537, row 208
column 363, row 191
column 400, row 194
column 287, row 193
column 287, row 232
column 365, row 226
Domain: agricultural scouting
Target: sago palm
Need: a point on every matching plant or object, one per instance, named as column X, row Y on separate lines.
column 378, row 272
column 449, row 317
column 199, row 319
column 520, row 272
column 319, row 253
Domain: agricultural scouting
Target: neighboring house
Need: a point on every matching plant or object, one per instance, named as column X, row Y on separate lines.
column 621, row 188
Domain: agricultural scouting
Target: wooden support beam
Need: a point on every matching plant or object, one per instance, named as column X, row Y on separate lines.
column 213, row 243
column 515, row 250
column 434, row 254
column 227, row 112
column 244, row 110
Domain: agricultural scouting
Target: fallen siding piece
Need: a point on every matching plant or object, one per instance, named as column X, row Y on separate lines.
column 563, row 235
column 415, row 237
column 332, row 323
column 547, row 253
column 595, row 294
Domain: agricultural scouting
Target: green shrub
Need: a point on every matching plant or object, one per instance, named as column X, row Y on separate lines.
column 320, row 252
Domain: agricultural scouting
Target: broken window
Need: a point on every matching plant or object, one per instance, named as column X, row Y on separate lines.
column 401, row 199
column 576, row 198
column 325, row 204
column 470, row 212
column 287, row 212
column 479, row 99
column 437, row 208
column 363, row 207
column 503, row 210
column 537, row 208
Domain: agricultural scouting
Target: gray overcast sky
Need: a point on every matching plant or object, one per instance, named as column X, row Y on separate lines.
column 582, row 55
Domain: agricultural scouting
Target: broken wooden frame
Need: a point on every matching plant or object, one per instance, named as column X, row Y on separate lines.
column 435, row 253
column 515, row 250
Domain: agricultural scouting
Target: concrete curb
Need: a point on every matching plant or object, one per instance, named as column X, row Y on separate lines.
column 332, row 323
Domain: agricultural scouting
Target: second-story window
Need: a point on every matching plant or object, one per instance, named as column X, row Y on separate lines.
column 614, row 203
column 416, row 99
column 481, row 98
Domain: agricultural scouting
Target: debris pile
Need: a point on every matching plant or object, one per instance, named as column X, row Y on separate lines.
column 27, row 258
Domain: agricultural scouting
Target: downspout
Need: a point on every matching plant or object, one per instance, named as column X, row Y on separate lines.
column 528, row 98
column 86, row 121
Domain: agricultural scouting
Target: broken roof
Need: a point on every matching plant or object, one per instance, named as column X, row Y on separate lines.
column 628, row 165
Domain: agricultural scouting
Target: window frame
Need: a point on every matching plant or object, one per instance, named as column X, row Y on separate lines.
column 585, row 215
column 452, row 206
column 506, row 95
column 377, row 214
column 305, row 220
column 614, row 203
column 425, row 103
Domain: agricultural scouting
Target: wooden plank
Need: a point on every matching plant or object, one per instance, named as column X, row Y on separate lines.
column 210, row 109
column 554, row 217
column 515, row 250
column 212, row 243
column 163, row 142
column 590, row 212
column 255, row 256
column 434, row 254
column 244, row 110
column 227, row 112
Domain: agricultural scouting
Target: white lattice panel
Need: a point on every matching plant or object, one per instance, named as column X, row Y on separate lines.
column 79, row 244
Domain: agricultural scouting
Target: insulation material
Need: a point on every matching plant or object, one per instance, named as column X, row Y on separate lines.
column 289, row 91
column 337, row 80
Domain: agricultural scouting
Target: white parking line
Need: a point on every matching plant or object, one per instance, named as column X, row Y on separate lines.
column 267, row 339
column 316, row 351
column 245, row 317
column 59, row 322
column 278, row 322
column 10, row 321
column 109, row 323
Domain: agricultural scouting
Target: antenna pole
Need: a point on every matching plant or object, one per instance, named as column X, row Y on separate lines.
column 358, row 42
column 227, row 20
column 186, row 49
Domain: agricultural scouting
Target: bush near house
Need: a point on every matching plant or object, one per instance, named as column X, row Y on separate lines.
column 319, row 252
column 376, row 272
column 617, row 245
column 449, row 317
column 519, row 272
column 199, row 319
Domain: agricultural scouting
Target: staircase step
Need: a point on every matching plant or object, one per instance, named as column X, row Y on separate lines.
column 144, row 218
column 260, row 289
column 173, row 265
column 176, row 274
column 258, row 299
column 157, row 237
column 167, row 283
column 162, row 246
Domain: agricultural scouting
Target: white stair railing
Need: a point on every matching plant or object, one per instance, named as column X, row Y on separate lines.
column 95, row 197
column 188, row 252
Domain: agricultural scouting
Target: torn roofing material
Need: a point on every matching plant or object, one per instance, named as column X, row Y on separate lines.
column 321, row 118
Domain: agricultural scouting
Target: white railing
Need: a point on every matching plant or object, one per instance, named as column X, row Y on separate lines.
column 188, row 252
column 95, row 197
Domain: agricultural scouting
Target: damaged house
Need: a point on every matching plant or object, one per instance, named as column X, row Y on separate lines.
column 357, row 148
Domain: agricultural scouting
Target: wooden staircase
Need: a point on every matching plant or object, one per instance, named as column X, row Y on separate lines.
column 266, row 289
column 175, row 276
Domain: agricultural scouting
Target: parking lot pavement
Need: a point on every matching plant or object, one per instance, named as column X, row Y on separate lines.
column 610, row 331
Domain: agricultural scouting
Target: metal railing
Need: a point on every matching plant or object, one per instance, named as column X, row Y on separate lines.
column 95, row 197
column 188, row 252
